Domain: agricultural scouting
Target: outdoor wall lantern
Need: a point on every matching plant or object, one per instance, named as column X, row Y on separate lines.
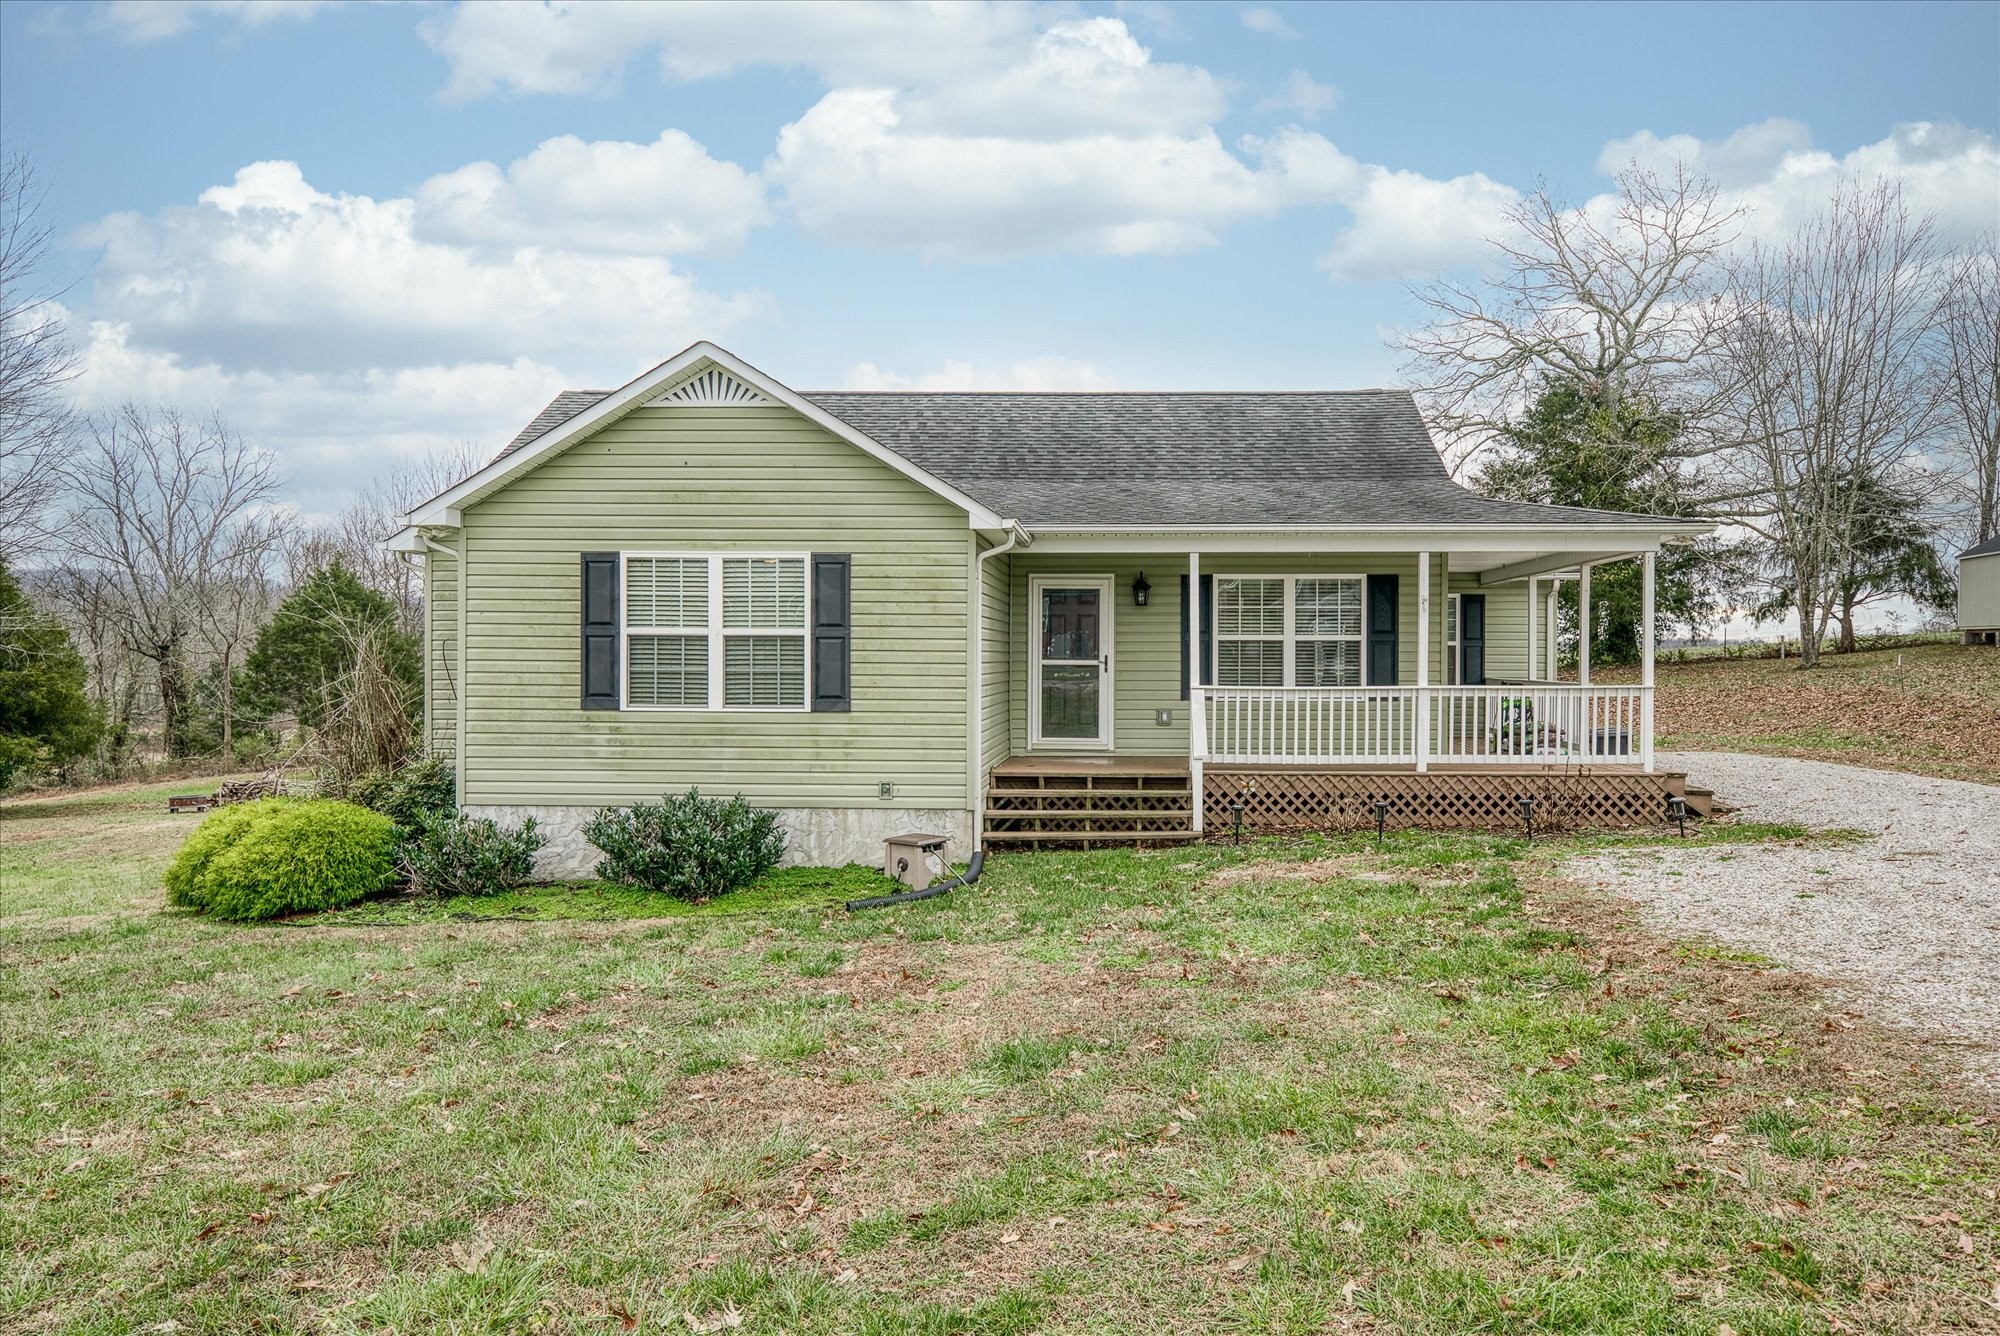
column 1141, row 591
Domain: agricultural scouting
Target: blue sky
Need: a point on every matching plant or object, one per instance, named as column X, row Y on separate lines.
column 346, row 226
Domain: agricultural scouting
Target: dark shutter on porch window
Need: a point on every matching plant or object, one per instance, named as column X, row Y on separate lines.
column 1207, row 633
column 600, row 630
column 1472, row 639
column 832, row 631
column 1384, row 601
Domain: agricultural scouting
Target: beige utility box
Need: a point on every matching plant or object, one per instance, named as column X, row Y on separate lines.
column 914, row 860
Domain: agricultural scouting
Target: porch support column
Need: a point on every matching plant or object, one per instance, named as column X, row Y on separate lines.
column 1551, row 656
column 1197, row 713
column 1648, row 649
column 1423, row 720
column 1583, row 626
column 1533, row 648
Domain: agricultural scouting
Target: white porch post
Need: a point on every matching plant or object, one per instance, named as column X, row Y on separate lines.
column 1197, row 719
column 1583, row 626
column 1646, row 654
column 1532, row 647
column 1551, row 655
column 1423, row 660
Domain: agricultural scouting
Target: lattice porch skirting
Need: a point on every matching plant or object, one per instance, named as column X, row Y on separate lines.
column 1277, row 799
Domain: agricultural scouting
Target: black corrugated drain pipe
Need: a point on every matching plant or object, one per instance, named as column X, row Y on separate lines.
column 965, row 878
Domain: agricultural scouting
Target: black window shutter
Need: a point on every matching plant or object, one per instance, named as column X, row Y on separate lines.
column 1207, row 633
column 1384, row 599
column 600, row 630
column 832, row 631
column 1472, row 639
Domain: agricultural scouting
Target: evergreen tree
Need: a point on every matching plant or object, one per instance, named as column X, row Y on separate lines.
column 1570, row 448
column 46, row 715
column 310, row 643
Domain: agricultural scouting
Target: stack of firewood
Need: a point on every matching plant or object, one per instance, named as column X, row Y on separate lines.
column 271, row 784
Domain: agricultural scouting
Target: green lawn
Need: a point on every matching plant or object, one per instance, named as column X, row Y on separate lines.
column 1283, row 1088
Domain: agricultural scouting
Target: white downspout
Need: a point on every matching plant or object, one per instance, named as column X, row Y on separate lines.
column 975, row 780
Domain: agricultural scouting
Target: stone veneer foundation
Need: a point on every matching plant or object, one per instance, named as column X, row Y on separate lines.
column 814, row 836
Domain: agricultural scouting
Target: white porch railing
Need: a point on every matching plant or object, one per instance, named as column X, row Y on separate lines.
column 1531, row 724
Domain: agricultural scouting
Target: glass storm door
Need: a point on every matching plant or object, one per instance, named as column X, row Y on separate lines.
column 1072, row 688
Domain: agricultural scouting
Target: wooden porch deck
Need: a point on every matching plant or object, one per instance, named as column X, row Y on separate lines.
column 1099, row 800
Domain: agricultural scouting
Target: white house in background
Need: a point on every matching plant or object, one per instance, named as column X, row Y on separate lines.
column 1979, row 593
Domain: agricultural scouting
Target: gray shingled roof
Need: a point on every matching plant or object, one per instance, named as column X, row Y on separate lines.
column 1986, row 549
column 1174, row 459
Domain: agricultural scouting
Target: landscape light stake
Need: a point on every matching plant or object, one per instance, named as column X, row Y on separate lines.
column 1381, row 815
column 1528, row 816
column 1677, row 812
column 1236, row 817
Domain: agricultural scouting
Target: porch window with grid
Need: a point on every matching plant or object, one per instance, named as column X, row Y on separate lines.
column 720, row 632
column 1288, row 630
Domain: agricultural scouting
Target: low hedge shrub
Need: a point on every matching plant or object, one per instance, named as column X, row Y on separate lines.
column 218, row 830
column 689, row 847
column 470, row 855
column 293, row 857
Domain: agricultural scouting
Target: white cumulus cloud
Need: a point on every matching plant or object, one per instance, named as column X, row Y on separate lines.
column 270, row 272
column 1407, row 225
column 1775, row 171
column 851, row 169
column 668, row 196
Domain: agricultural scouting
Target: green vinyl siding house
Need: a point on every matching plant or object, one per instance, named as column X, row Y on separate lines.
column 884, row 612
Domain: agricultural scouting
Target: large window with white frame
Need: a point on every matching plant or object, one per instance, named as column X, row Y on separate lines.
column 1289, row 630
column 715, row 631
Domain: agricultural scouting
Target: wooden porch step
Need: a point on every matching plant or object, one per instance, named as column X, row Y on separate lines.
column 1087, row 814
column 1086, row 836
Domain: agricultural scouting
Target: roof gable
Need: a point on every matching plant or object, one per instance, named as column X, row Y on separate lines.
column 700, row 374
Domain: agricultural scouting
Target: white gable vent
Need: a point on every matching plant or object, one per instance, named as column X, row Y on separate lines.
column 713, row 388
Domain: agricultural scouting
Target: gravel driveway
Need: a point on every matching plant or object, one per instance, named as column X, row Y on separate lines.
column 1908, row 921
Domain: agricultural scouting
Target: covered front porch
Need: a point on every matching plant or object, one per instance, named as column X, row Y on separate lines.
column 1335, row 673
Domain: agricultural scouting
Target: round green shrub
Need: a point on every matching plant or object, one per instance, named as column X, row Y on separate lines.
column 217, row 831
column 305, row 856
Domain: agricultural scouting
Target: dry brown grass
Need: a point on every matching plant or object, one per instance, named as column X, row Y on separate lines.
column 1930, row 709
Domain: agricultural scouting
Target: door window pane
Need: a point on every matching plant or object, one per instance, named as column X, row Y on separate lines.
column 1069, row 625
column 1069, row 700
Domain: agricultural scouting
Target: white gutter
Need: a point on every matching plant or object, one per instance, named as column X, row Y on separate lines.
column 975, row 749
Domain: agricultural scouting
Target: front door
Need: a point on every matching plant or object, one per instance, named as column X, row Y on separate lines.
column 1070, row 700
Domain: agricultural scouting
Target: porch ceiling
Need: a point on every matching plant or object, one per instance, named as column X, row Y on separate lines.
column 1483, row 551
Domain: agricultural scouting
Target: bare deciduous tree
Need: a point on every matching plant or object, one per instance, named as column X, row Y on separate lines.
column 37, row 360
column 164, row 506
column 1623, row 302
column 354, row 536
column 1826, row 368
column 1968, row 368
